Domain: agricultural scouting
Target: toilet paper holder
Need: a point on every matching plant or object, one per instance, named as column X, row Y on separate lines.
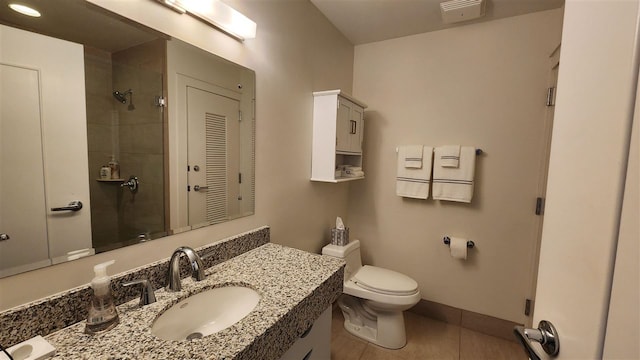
column 447, row 241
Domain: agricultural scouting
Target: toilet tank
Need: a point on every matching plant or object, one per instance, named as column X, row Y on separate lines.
column 350, row 253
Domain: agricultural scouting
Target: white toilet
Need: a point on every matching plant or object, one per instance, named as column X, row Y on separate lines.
column 374, row 298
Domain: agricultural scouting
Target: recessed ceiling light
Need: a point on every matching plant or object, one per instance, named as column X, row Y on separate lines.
column 25, row 10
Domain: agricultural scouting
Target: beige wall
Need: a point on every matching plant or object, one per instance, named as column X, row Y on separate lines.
column 481, row 85
column 296, row 52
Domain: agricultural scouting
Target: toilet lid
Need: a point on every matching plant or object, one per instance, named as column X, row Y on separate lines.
column 384, row 281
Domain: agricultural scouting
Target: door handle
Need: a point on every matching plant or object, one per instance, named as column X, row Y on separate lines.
column 546, row 334
column 73, row 206
column 354, row 127
column 198, row 187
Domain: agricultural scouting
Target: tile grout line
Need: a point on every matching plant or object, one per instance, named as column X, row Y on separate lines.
column 363, row 351
column 459, row 342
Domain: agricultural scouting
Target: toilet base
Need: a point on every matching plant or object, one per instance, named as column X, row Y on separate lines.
column 383, row 328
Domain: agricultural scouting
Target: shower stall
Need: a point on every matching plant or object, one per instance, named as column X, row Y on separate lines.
column 129, row 135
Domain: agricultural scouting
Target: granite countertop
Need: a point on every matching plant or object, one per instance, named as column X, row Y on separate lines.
column 296, row 286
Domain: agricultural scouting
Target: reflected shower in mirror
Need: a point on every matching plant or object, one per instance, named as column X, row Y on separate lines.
column 126, row 141
column 154, row 136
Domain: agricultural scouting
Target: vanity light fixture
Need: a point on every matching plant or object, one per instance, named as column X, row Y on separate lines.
column 217, row 14
column 173, row 6
column 24, row 10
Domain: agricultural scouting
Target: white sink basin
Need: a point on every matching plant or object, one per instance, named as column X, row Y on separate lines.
column 205, row 313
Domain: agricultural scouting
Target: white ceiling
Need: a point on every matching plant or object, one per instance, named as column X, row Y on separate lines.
column 79, row 21
column 365, row 21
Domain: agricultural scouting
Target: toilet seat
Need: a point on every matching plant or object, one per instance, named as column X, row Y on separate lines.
column 382, row 291
column 384, row 281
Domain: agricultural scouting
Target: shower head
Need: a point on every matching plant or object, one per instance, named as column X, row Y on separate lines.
column 131, row 107
column 122, row 96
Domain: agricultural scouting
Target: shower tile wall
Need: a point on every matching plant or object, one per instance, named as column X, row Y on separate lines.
column 135, row 137
column 100, row 121
column 141, row 69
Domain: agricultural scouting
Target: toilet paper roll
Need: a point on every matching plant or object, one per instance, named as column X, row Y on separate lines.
column 458, row 247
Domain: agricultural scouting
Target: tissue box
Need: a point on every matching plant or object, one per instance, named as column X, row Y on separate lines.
column 339, row 237
column 36, row 348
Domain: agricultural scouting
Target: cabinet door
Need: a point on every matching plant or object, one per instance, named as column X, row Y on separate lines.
column 343, row 126
column 349, row 127
column 357, row 122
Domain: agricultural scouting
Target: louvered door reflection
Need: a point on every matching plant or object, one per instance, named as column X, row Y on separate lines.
column 216, row 169
column 213, row 157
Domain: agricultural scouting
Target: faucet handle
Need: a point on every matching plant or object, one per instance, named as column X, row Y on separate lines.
column 147, row 295
column 208, row 255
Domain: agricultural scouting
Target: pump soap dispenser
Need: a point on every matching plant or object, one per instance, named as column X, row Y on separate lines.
column 103, row 315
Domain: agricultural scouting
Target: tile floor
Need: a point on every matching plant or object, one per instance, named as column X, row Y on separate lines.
column 426, row 339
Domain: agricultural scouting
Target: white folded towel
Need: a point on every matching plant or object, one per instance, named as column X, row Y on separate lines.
column 455, row 184
column 413, row 182
column 449, row 155
column 412, row 156
column 354, row 173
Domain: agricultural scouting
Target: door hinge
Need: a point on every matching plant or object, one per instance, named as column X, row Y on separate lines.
column 539, row 206
column 527, row 306
column 160, row 101
column 551, row 96
column 239, row 178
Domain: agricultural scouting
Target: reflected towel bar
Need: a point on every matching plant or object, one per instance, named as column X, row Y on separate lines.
column 478, row 151
column 447, row 241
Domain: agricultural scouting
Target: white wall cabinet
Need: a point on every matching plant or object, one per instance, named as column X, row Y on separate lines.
column 315, row 343
column 338, row 128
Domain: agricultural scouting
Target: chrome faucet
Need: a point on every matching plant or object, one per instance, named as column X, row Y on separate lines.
column 173, row 274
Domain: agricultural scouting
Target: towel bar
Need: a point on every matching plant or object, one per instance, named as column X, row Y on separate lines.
column 478, row 151
column 470, row 244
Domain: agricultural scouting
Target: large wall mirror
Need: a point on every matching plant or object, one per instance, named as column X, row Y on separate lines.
column 112, row 134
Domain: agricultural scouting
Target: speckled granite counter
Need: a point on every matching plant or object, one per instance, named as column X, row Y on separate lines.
column 295, row 286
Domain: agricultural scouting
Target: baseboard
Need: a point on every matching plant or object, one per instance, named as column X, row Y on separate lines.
column 467, row 319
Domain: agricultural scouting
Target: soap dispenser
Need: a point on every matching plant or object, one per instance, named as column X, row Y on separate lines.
column 103, row 315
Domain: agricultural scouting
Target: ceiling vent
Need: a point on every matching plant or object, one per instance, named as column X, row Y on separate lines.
column 461, row 10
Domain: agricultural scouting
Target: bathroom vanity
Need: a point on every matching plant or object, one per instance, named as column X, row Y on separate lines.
column 296, row 290
column 295, row 287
